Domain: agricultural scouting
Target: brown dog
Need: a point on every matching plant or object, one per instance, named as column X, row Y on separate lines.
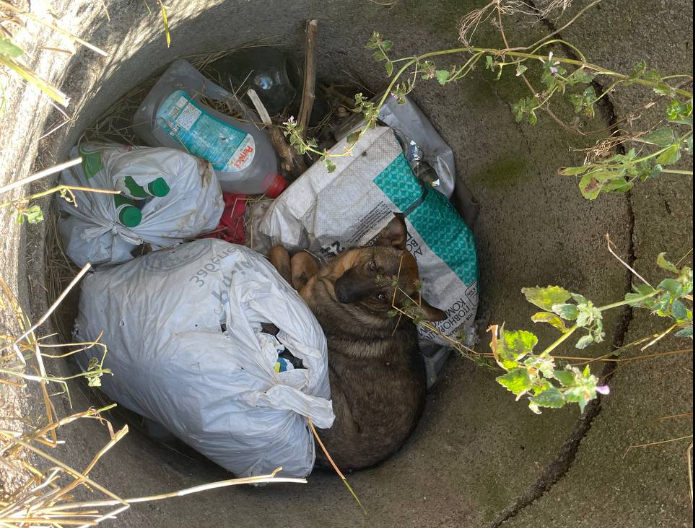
column 377, row 374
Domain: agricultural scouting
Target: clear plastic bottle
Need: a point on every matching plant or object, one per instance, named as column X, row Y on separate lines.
column 174, row 116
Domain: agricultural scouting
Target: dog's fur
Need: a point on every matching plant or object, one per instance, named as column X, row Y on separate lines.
column 376, row 370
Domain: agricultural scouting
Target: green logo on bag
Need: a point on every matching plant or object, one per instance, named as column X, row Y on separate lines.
column 428, row 210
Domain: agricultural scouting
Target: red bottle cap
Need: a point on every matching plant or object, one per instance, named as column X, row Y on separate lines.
column 278, row 185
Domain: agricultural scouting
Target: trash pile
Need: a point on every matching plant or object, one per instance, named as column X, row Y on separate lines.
column 204, row 336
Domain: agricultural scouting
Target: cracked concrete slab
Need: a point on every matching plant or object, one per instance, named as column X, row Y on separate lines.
column 607, row 484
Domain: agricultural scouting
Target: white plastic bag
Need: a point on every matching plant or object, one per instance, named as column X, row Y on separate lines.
column 183, row 330
column 91, row 231
column 410, row 122
column 327, row 213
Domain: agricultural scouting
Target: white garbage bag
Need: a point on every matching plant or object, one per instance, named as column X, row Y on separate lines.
column 184, row 338
column 91, row 231
column 327, row 213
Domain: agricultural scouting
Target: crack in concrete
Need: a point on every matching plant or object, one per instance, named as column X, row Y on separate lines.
column 568, row 452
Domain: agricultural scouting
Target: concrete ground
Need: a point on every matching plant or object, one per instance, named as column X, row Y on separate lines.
column 479, row 459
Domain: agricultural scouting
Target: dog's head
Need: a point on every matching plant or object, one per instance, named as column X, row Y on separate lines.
column 384, row 276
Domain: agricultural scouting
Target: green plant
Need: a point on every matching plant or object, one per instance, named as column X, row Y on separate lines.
column 556, row 76
column 537, row 375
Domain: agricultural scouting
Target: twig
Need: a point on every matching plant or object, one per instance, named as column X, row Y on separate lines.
column 335, row 466
column 559, row 31
column 684, row 257
column 652, row 444
column 674, row 416
column 292, row 161
column 610, row 248
column 267, row 479
column 55, row 305
column 310, row 64
column 40, row 175
column 689, row 459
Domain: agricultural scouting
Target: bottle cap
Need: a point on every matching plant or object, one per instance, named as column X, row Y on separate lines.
column 159, row 188
column 130, row 216
column 278, row 185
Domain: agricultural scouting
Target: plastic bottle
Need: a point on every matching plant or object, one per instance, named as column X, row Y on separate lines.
column 129, row 187
column 126, row 211
column 173, row 116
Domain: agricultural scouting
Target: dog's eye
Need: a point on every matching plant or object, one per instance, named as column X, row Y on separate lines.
column 372, row 266
column 382, row 297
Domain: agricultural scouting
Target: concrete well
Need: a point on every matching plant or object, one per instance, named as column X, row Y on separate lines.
column 478, row 459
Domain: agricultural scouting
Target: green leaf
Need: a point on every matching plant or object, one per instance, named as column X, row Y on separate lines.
column 165, row 20
column 489, row 63
column 379, row 55
column 552, row 319
column 546, row 298
column 663, row 89
column 654, row 173
column 386, row 45
column 566, row 377
column 580, row 299
column 330, row 166
column 644, row 289
column 588, row 314
column 662, row 137
column 581, row 76
column 579, row 395
column 673, row 287
column 569, row 312
column 618, row 186
column 374, row 41
column 520, row 342
column 585, row 342
column 353, row 137
column 686, row 332
column 670, row 156
column 590, row 187
column 389, row 68
column 521, row 69
column 9, row 49
column 663, row 263
column 551, row 398
column 517, row 381
column 680, row 312
column 442, row 76
column 33, row 214
column 574, row 171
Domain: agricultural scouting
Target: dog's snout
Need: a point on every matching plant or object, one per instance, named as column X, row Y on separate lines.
column 341, row 293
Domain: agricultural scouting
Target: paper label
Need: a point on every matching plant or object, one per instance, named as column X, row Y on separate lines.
column 227, row 148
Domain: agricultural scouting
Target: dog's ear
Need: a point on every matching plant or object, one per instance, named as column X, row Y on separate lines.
column 395, row 234
column 428, row 312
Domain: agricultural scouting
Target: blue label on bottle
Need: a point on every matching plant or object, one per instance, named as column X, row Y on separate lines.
column 227, row 148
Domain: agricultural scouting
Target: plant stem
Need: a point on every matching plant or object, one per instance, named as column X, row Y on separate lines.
column 674, row 171
column 573, row 62
column 557, row 343
column 632, row 301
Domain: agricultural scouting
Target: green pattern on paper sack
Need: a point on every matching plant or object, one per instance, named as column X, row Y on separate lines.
column 455, row 245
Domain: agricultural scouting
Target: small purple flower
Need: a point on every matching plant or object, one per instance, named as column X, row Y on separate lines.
column 553, row 65
column 605, row 390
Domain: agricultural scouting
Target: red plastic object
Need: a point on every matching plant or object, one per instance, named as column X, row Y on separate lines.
column 231, row 228
column 277, row 187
